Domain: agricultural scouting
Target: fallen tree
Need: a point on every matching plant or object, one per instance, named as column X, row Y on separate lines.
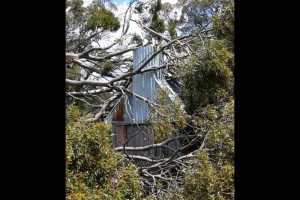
column 99, row 73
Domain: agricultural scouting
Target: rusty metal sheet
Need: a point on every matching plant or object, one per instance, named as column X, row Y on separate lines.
column 121, row 135
column 119, row 112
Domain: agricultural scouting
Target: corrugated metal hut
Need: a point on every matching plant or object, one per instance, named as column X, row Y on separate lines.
column 130, row 113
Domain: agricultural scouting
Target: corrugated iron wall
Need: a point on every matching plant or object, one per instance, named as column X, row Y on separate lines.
column 130, row 111
column 136, row 110
column 121, row 113
column 145, row 137
column 144, row 84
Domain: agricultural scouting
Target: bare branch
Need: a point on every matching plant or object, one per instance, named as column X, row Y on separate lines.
column 91, row 92
column 86, row 82
column 96, row 106
column 103, row 108
column 95, row 58
column 125, row 29
column 83, row 54
column 140, row 23
column 80, row 63
column 142, row 158
column 152, row 146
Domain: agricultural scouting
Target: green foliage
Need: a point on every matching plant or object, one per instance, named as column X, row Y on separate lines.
column 207, row 76
column 174, row 194
column 137, row 39
column 127, row 186
column 93, row 169
column 157, row 23
column 195, row 14
column 211, row 175
column 76, row 7
column 224, row 25
column 168, row 117
column 198, row 14
column 150, row 14
column 102, row 18
column 156, row 8
column 139, row 7
column 73, row 72
column 205, row 181
column 107, row 67
column 218, row 123
column 172, row 31
column 83, row 24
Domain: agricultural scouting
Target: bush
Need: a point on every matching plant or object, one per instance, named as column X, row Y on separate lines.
column 206, row 181
column 93, row 169
column 207, row 76
column 211, row 173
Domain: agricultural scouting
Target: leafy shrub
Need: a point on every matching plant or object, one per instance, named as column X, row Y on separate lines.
column 93, row 169
column 211, row 173
column 168, row 118
column 207, row 76
column 102, row 18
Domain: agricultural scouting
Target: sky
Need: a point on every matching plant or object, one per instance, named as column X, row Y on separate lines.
column 118, row 2
column 121, row 8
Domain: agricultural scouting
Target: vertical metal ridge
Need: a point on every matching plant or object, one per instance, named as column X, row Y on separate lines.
column 142, row 84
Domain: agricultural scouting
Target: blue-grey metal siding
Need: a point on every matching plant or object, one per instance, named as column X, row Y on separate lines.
column 144, row 84
column 136, row 110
